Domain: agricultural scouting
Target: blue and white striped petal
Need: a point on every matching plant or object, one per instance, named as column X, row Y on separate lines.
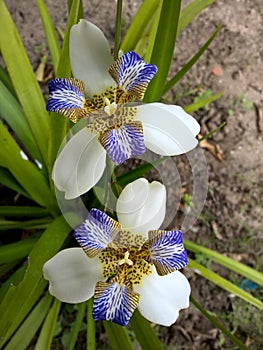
column 132, row 74
column 124, row 142
column 96, row 232
column 114, row 302
column 167, row 251
column 67, row 98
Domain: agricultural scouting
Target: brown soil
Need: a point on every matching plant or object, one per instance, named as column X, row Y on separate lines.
column 231, row 221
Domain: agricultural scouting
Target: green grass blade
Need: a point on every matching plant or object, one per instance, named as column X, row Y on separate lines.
column 33, row 224
column 13, row 280
column 30, row 326
column 137, row 27
column 77, row 326
column 191, row 62
column 218, row 324
column 18, row 250
column 145, row 333
column 12, row 113
column 118, row 336
column 246, row 271
column 7, row 179
column 24, row 81
column 27, row 174
column 44, row 340
column 25, row 211
column 202, row 103
column 50, row 31
column 6, row 81
column 225, row 284
column 117, row 39
column 20, row 299
column 91, row 327
column 191, row 11
column 163, row 48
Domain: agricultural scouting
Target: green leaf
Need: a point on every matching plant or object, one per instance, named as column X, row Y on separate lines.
column 30, row 326
column 137, row 27
column 163, row 48
column 13, row 280
column 25, row 211
column 21, row 298
column 24, row 81
column 225, row 284
column 118, row 336
column 28, row 224
column 47, row 331
column 50, row 31
column 7, row 179
column 91, row 327
column 17, row 250
column 27, row 174
column 190, row 63
column 5, row 79
column 203, row 102
column 12, row 113
column 229, row 263
column 191, row 11
column 74, row 332
column 145, row 333
column 218, row 324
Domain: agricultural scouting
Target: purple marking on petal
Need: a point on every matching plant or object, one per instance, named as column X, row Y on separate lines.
column 96, row 232
column 66, row 95
column 114, row 302
column 124, row 142
column 167, row 251
column 132, row 73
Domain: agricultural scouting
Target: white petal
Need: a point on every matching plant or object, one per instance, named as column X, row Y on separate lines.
column 80, row 165
column 180, row 113
column 162, row 297
column 167, row 130
column 90, row 57
column 72, row 275
column 141, row 206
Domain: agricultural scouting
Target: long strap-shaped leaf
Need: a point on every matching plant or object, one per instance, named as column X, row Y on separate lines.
column 24, row 80
column 140, row 21
column 163, row 48
column 144, row 332
column 28, row 329
column 229, row 263
column 118, row 336
column 20, row 299
column 218, row 324
column 26, row 174
column 225, row 284
column 190, row 63
column 50, row 31
column 47, row 331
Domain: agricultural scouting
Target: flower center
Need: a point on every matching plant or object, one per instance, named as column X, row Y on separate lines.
column 110, row 107
column 126, row 260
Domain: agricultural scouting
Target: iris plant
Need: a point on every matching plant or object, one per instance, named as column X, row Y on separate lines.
column 101, row 92
column 125, row 264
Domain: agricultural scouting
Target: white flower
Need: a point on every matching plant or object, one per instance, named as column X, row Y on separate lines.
column 100, row 91
column 121, row 267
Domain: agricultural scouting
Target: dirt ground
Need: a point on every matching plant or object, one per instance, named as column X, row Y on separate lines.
column 231, row 220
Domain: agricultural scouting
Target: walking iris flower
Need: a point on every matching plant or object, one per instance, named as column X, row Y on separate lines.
column 120, row 265
column 101, row 92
